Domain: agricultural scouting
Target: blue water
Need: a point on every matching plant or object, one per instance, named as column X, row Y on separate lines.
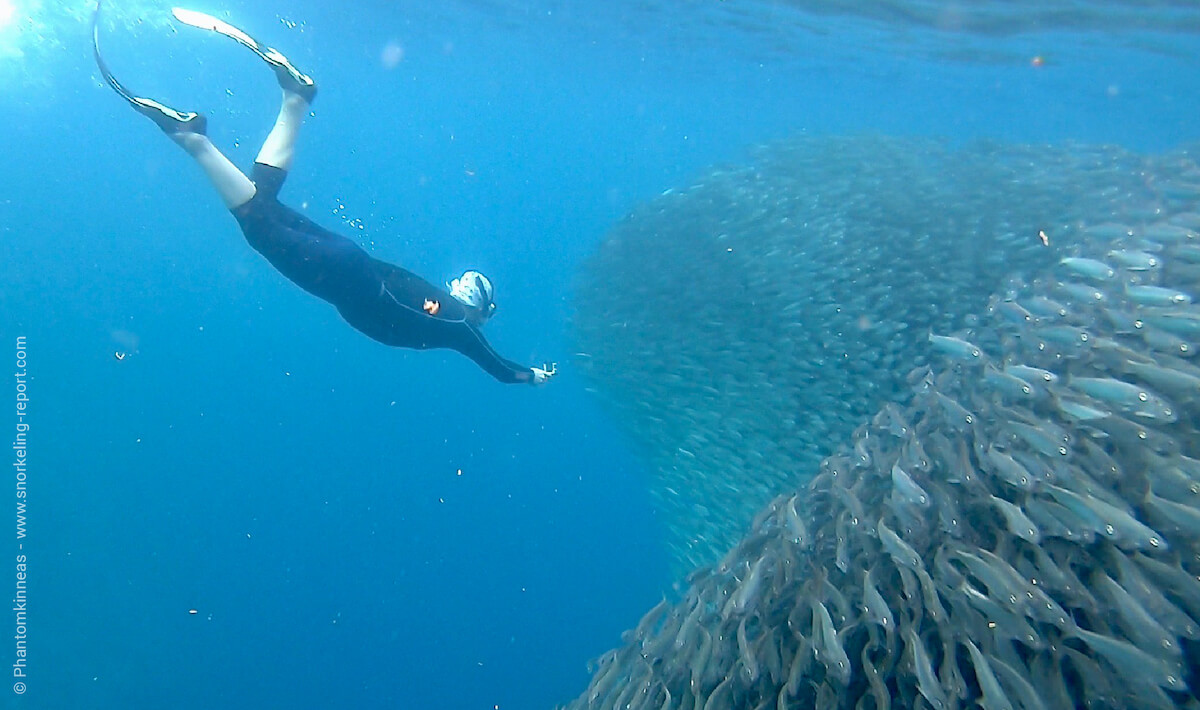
column 298, row 485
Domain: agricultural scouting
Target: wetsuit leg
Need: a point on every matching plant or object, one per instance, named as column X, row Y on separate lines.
column 317, row 260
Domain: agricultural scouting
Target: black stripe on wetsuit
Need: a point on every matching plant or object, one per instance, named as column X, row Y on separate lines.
column 379, row 299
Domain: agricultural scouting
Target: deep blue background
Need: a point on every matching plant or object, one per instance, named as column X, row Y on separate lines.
column 296, row 483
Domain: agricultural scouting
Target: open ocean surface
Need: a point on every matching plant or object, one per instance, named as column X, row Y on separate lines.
column 364, row 527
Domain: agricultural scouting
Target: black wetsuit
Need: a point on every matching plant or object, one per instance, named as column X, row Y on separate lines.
column 383, row 301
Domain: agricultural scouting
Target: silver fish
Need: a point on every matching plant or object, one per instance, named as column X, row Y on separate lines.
column 829, row 648
column 1133, row 663
column 1003, row 620
column 798, row 669
column 900, row 550
column 933, row 603
column 993, row 695
column 1013, row 312
column 1082, row 293
column 1054, row 520
column 1018, row 523
column 1168, row 478
column 1163, row 341
column 795, row 524
column 1017, row 684
column 1003, row 582
column 907, row 489
column 1156, row 296
column 957, row 348
column 1185, row 323
column 1090, row 268
column 1040, row 438
column 1166, row 232
column 1079, row 410
column 1008, row 468
column 1135, row 260
column 747, row 592
column 1112, row 522
column 874, row 605
column 1183, row 517
column 746, row 653
column 958, row 415
column 1009, row 386
column 1032, row 375
column 927, row 680
column 1137, row 621
column 1065, row 335
column 842, row 551
column 1132, row 398
column 1175, row 382
column 1045, row 308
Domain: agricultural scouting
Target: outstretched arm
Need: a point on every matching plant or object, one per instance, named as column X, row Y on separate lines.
column 478, row 349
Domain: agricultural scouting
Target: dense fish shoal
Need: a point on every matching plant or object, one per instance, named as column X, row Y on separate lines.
column 1007, row 512
column 741, row 328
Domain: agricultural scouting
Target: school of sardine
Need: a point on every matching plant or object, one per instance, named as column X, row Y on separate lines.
column 742, row 328
column 1005, row 511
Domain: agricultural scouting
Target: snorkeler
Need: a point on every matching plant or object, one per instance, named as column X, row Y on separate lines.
column 387, row 303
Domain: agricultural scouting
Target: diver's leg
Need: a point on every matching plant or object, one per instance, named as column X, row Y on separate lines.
column 280, row 146
column 231, row 184
column 299, row 89
column 186, row 128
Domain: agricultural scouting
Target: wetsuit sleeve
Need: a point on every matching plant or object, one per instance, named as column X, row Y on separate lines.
column 478, row 349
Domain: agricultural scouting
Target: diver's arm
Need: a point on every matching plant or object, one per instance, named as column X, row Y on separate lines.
column 476, row 347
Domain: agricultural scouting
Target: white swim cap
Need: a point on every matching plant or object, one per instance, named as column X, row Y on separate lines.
column 474, row 289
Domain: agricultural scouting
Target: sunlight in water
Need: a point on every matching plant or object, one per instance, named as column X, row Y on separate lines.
column 7, row 11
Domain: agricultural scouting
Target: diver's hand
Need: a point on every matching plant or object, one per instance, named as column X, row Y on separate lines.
column 542, row 375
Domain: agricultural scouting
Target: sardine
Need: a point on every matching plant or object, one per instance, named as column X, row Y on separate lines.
column 874, row 606
column 1082, row 293
column 1032, row 375
column 1174, row 382
column 1045, row 308
column 1132, row 398
column 1156, row 296
column 900, row 550
column 1041, row 439
column 1090, row 268
column 1008, row 468
column 746, row 653
column 907, row 489
column 829, row 647
column 747, row 592
column 927, row 680
column 1135, row 260
column 1017, row 522
column 1010, row 386
column 993, row 695
column 1138, row 622
column 1133, row 663
column 956, row 414
column 957, row 348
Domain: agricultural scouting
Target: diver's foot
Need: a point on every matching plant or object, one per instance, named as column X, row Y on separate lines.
column 290, row 78
column 168, row 119
column 171, row 121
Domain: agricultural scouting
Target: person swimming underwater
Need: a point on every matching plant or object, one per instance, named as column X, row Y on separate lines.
column 387, row 303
